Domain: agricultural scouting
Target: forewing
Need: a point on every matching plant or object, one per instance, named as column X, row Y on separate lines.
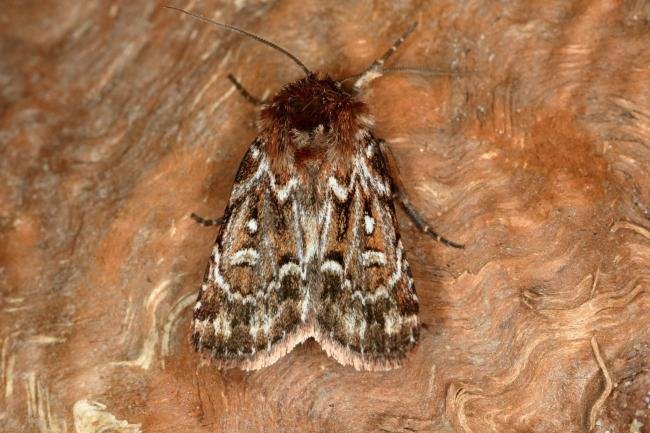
column 248, row 312
column 366, row 310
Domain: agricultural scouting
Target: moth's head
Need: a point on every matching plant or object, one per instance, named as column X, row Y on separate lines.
column 314, row 102
column 314, row 106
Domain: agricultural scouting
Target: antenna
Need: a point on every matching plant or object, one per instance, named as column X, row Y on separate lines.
column 376, row 69
column 415, row 70
column 245, row 33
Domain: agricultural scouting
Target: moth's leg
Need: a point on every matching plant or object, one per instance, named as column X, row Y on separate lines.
column 402, row 198
column 247, row 96
column 420, row 222
column 206, row 222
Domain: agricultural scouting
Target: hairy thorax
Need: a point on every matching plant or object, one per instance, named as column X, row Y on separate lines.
column 312, row 128
column 313, row 125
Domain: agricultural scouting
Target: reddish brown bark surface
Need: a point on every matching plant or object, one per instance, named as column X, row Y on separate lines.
column 117, row 121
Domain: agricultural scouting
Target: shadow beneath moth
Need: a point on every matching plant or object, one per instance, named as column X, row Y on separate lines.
column 309, row 245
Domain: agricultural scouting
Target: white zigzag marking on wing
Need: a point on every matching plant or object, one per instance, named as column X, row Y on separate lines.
column 339, row 190
column 286, row 269
column 246, row 256
column 370, row 258
column 216, row 274
column 251, row 256
column 394, row 322
column 233, row 225
column 242, row 188
column 380, row 292
column 282, row 192
column 378, row 185
column 332, row 266
column 289, row 268
column 366, row 179
column 384, row 291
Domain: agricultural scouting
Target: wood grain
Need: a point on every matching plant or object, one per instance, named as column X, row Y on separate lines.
column 117, row 121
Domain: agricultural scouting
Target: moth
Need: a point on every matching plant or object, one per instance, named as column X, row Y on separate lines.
column 309, row 245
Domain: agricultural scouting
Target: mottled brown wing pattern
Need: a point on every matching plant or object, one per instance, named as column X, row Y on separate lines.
column 309, row 245
column 366, row 307
column 249, row 308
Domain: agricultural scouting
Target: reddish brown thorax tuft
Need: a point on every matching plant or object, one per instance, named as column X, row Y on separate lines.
column 312, row 105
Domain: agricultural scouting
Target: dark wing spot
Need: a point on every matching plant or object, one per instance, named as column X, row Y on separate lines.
column 335, row 256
